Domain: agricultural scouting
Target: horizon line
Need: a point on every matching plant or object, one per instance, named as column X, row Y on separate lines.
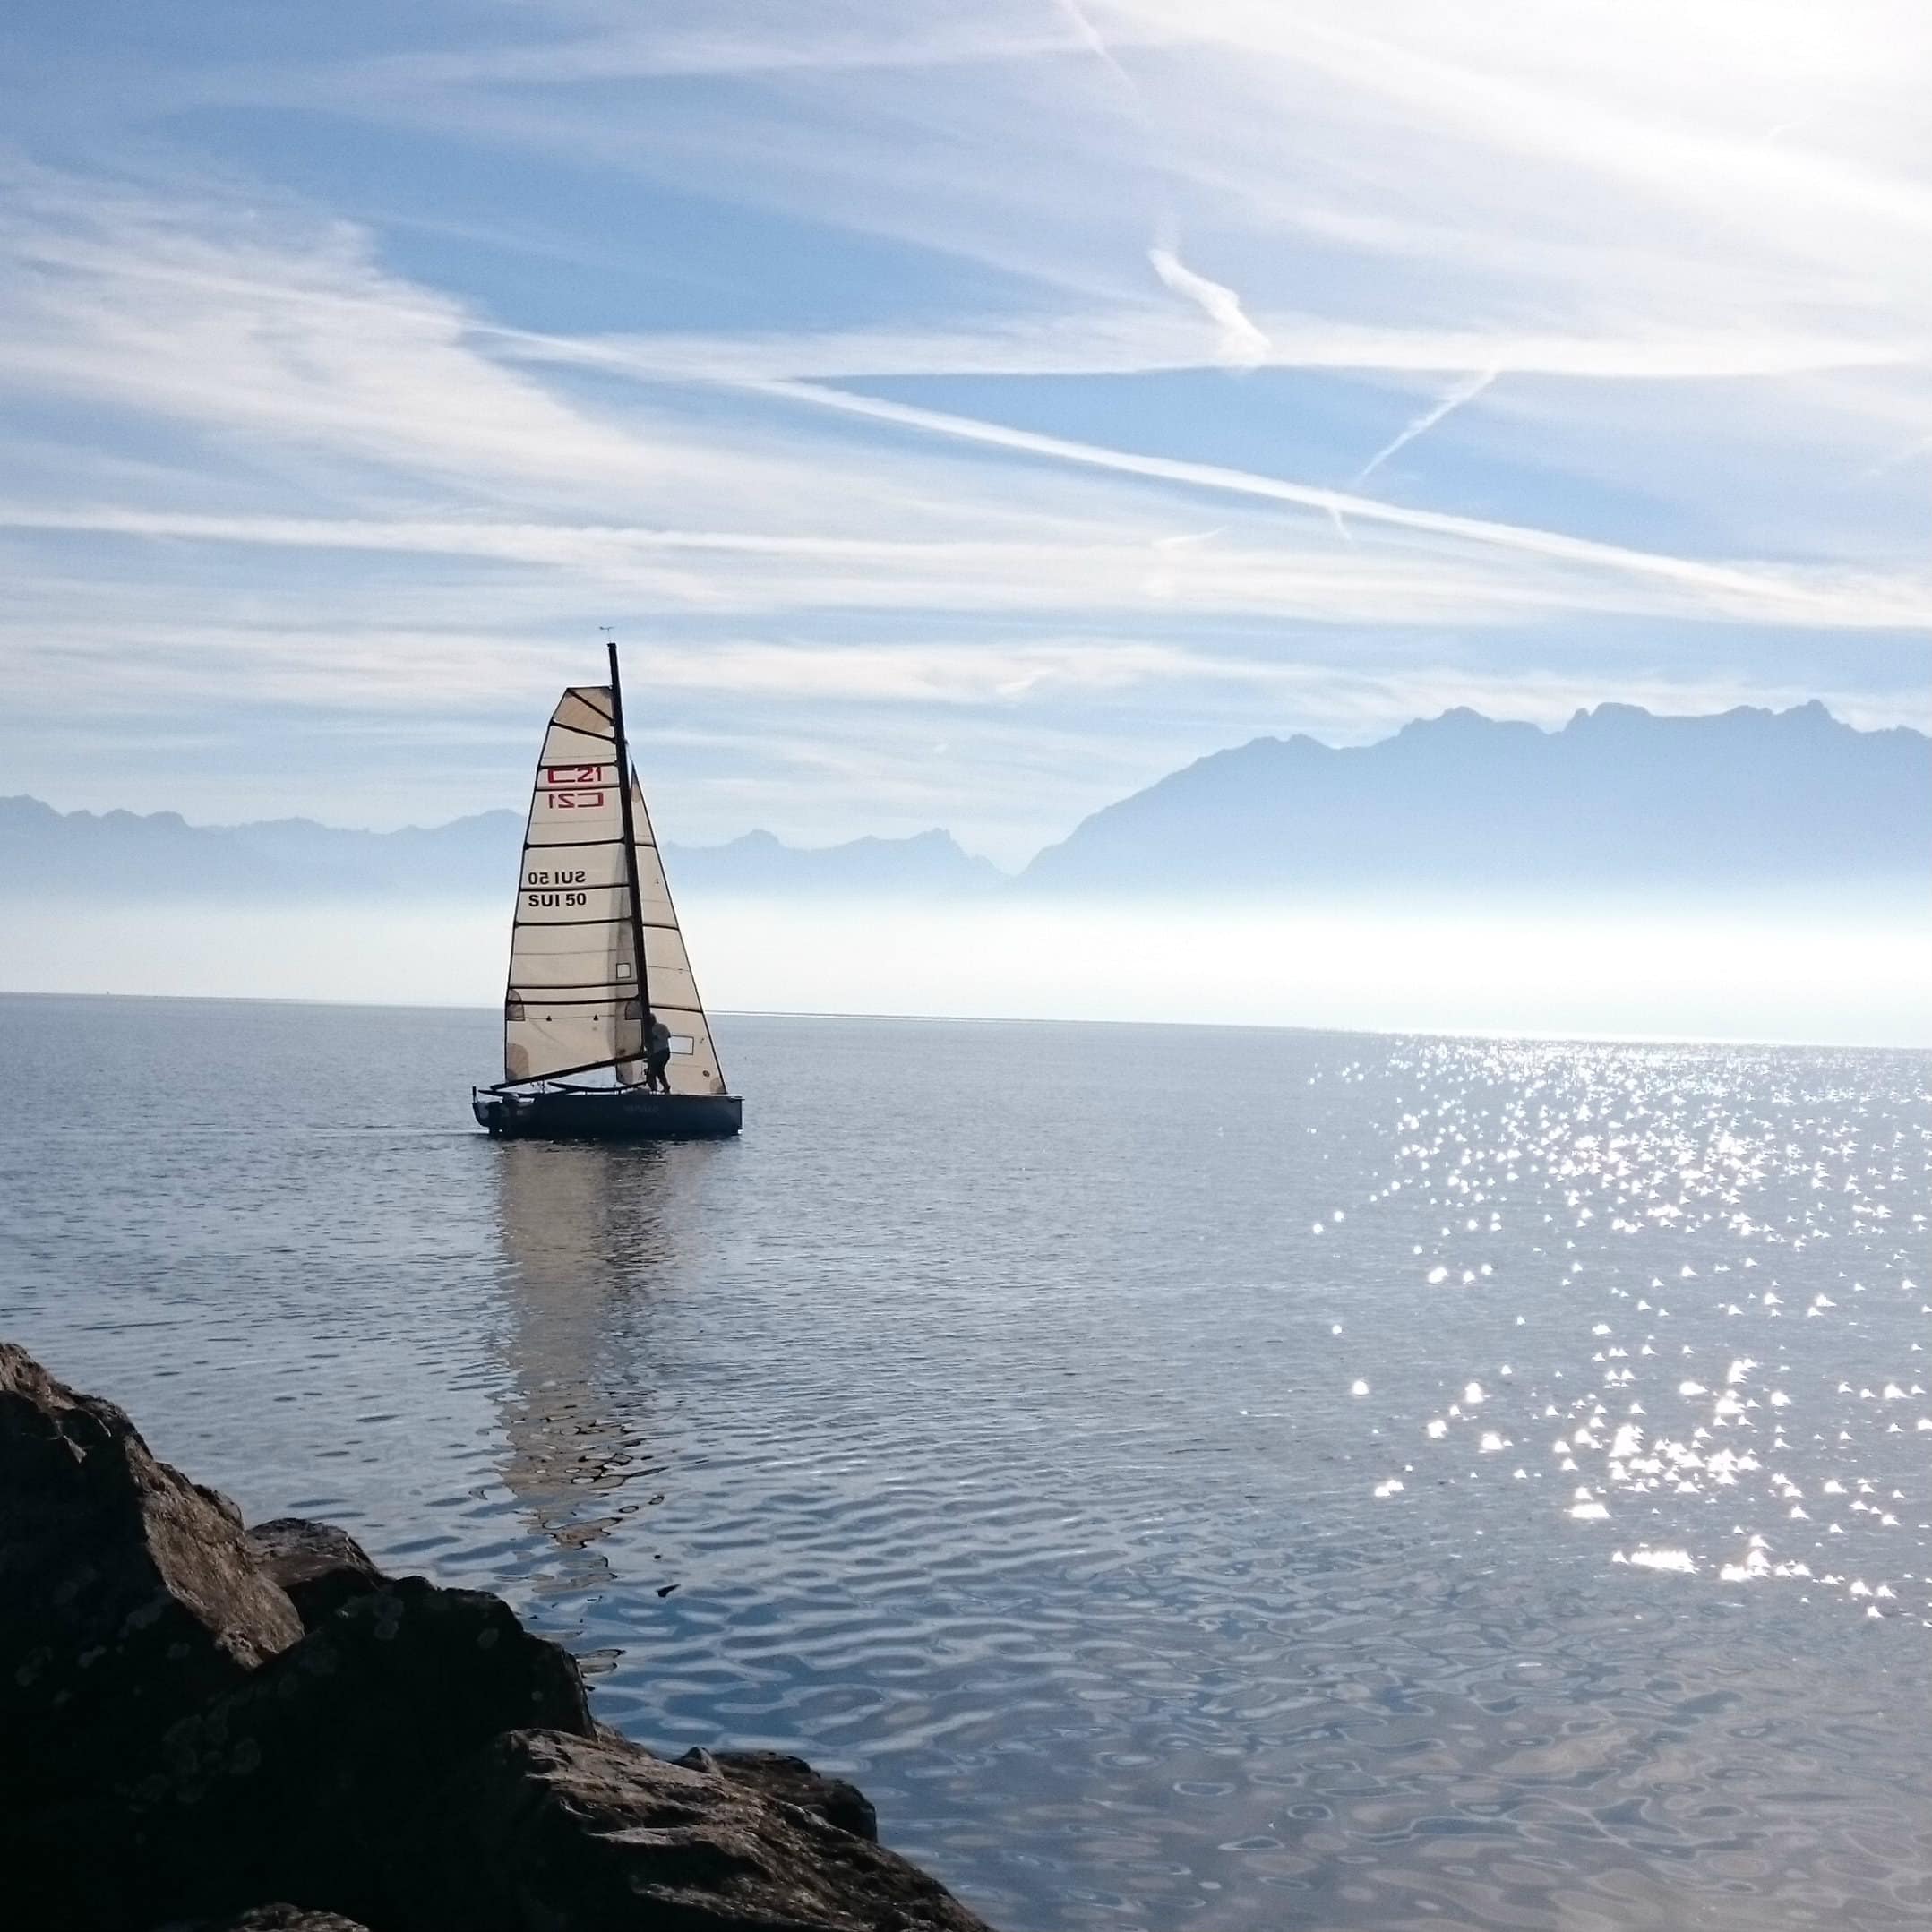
column 1557, row 1038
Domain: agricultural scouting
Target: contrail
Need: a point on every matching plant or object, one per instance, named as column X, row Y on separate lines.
column 1242, row 344
column 1466, row 392
column 1763, row 592
column 1090, row 35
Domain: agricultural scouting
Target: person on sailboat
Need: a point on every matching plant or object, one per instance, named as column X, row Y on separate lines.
column 656, row 1054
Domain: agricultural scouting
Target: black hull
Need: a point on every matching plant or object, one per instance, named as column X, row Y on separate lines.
column 619, row 1114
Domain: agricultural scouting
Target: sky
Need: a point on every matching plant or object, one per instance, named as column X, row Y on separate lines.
column 963, row 415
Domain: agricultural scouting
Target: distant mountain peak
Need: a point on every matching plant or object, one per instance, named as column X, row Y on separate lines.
column 145, row 855
column 756, row 840
column 930, row 863
column 1462, row 803
column 1617, row 797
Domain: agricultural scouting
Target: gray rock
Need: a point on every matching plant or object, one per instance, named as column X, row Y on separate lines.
column 269, row 1919
column 174, row 1748
column 128, row 1594
column 544, row 1832
column 305, row 1781
column 318, row 1566
column 791, row 1780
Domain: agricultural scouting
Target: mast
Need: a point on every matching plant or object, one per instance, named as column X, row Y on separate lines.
column 631, row 847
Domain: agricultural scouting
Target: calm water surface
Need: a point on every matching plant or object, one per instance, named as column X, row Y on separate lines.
column 1232, row 1479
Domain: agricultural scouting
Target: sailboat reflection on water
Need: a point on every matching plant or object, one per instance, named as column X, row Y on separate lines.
column 598, row 975
column 590, row 1252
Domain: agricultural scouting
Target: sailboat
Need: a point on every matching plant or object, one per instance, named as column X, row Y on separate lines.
column 596, row 957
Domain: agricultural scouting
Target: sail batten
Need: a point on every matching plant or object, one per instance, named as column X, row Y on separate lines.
column 575, row 999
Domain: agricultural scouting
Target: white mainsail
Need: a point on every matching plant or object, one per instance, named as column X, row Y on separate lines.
column 575, row 1001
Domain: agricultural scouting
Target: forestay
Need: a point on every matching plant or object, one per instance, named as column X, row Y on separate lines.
column 575, row 1003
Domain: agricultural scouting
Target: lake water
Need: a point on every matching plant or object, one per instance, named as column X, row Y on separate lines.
column 1222, row 1478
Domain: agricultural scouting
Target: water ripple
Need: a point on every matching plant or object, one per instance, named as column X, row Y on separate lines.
column 1487, row 1487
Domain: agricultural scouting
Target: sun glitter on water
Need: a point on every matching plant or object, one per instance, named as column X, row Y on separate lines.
column 1728, row 1386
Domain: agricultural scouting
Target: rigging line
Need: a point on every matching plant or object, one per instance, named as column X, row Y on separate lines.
column 558, row 1073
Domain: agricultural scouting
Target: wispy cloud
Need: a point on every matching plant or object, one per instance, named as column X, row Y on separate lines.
column 1137, row 341
column 309, row 429
column 1089, row 36
column 708, row 573
column 1786, row 596
column 559, row 52
column 1240, row 344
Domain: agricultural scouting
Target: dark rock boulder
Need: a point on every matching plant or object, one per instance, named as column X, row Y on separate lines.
column 128, row 1594
column 304, row 1782
column 68, row 1867
column 791, row 1780
column 544, row 1832
column 269, row 1919
column 318, row 1566
column 174, row 1748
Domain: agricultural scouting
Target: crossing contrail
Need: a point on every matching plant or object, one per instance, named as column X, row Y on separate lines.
column 1463, row 392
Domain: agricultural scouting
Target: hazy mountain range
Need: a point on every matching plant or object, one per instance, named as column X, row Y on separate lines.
column 1618, row 798
column 160, row 855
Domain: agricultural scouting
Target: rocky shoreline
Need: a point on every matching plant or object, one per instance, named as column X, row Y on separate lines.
column 206, row 1728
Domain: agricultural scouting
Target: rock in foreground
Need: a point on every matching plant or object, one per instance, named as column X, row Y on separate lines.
column 304, row 1782
column 793, row 1782
column 317, row 1566
column 196, row 1719
column 276, row 1917
column 128, row 1594
column 546, row 1830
